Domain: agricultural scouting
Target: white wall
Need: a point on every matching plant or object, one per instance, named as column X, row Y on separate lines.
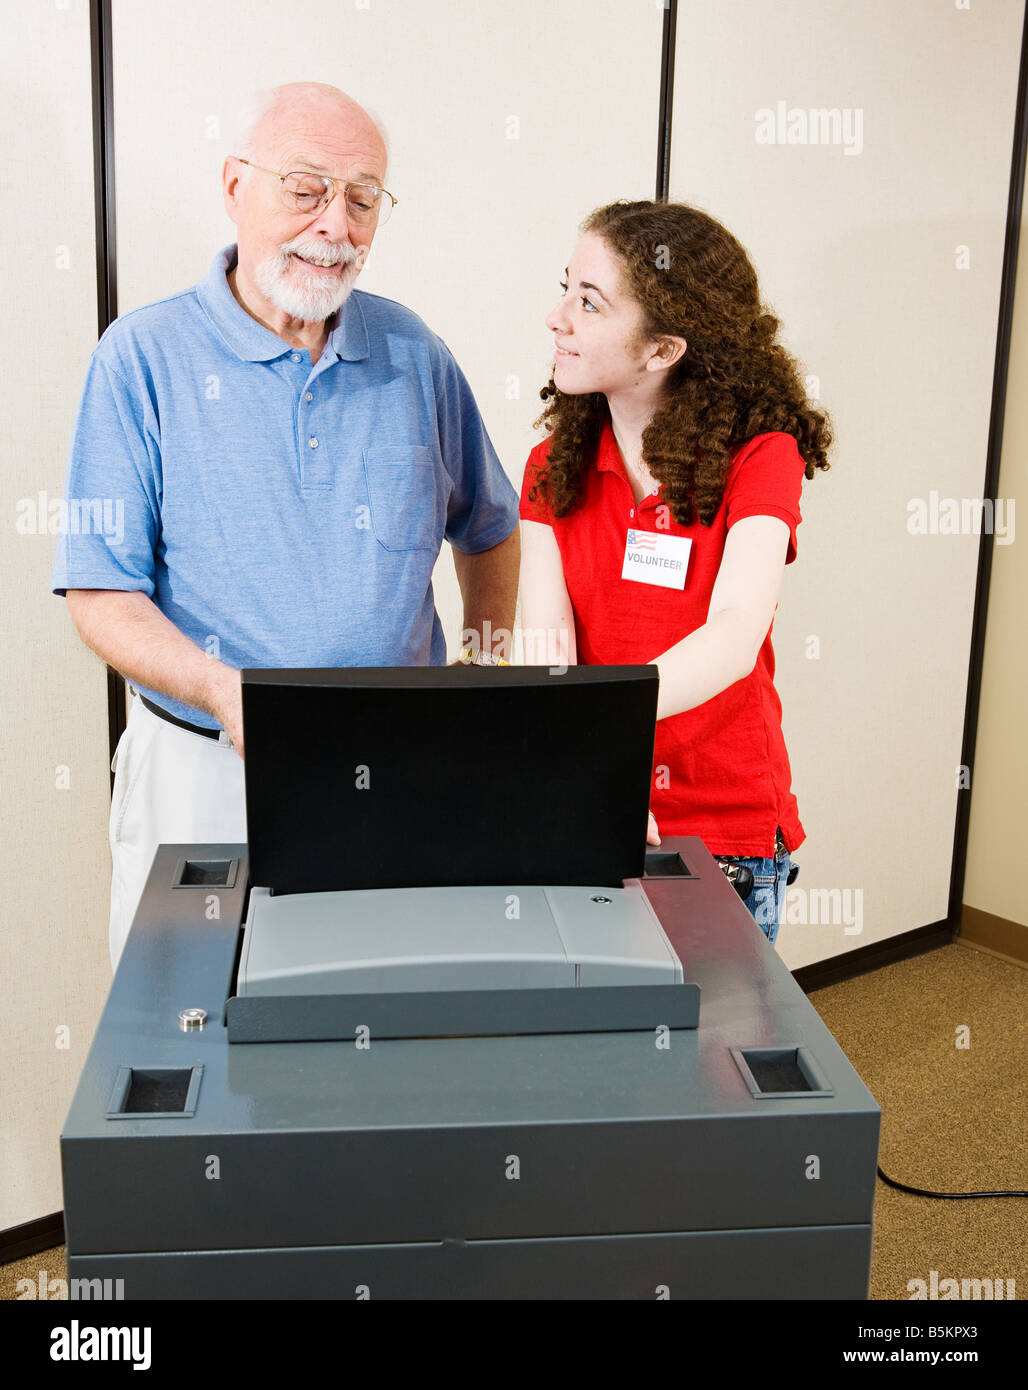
column 55, row 782
column 859, row 255
column 507, row 124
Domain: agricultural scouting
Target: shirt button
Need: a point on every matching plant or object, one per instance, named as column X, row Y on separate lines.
column 308, row 396
column 632, row 512
column 313, row 443
column 296, row 357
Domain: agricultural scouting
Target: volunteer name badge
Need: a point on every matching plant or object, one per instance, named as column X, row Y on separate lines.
column 651, row 558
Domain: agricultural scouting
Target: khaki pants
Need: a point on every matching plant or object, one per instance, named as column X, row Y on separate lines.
column 170, row 787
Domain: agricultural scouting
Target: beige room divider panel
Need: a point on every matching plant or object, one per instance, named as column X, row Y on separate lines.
column 861, row 152
column 507, row 123
column 54, row 791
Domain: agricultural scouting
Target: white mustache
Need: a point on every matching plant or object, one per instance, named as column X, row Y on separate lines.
column 324, row 253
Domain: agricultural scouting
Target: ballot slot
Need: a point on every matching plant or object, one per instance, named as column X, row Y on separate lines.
column 150, row 1092
column 205, row 873
column 781, row 1071
column 667, row 864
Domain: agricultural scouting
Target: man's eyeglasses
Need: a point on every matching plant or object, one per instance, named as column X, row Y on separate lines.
column 366, row 203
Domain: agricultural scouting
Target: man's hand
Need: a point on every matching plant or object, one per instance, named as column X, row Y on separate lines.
column 226, row 703
column 130, row 633
column 652, row 834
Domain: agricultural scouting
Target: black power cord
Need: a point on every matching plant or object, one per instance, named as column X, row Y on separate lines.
column 923, row 1192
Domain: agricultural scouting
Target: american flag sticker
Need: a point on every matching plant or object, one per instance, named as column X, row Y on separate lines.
column 652, row 558
column 644, row 540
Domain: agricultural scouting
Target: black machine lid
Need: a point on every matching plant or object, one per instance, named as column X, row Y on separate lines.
column 426, row 776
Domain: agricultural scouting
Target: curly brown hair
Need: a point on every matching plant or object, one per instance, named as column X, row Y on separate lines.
column 693, row 280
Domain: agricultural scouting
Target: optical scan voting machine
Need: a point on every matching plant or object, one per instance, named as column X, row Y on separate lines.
column 445, row 1028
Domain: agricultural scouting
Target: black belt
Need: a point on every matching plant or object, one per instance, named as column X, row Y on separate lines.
column 174, row 719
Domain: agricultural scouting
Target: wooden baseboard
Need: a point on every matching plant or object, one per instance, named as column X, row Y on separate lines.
column 31, row 1237
column 894, row 948
column 998, row 935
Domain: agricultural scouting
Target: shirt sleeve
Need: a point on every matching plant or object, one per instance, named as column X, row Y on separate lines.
column 539, row 509
column 766, row 480
column 483, row 507
column 110, row 513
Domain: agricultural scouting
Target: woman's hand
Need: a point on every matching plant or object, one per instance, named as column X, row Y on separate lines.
column 652, row 834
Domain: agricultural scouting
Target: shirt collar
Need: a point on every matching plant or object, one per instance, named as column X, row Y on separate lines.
column 609, row 460
column 251, row 341
column 608, row 455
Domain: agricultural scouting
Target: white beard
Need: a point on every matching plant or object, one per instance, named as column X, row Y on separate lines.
column 308, row 297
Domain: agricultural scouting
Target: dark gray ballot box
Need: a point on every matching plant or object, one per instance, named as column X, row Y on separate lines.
column 498, row 1090
column 735, row 1159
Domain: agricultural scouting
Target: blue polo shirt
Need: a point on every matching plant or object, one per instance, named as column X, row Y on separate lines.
column 278, row 514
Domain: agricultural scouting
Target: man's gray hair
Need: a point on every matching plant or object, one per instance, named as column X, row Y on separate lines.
column 248, row 119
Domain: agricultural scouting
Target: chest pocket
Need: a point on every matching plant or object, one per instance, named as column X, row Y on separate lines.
column 407, row 493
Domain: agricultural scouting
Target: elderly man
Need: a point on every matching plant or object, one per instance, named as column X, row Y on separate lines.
column 285, row 456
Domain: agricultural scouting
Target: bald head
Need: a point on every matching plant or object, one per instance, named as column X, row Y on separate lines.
column 313, row 110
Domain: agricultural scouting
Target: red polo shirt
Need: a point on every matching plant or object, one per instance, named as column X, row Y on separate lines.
column 721, row 770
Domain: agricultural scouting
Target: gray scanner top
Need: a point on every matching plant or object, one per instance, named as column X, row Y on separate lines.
column 460, row 938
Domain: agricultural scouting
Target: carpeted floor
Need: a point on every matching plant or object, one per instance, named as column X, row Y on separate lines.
column 954, row 1118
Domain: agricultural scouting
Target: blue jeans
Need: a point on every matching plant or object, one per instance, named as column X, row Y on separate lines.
column 766, row 901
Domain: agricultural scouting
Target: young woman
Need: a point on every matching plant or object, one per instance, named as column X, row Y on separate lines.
column 661, row 510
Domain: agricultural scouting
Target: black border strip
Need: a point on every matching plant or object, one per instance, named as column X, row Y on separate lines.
column 103, row 163
column 19, row 1242
column 101, row 64
column 1008, row 280
column 667, row 91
